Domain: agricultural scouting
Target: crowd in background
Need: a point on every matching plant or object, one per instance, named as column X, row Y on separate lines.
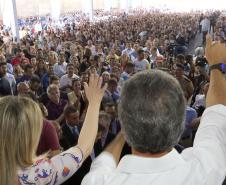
column 52, row 61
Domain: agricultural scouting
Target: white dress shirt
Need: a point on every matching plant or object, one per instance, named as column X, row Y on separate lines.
column 60, row 69
column 65, row 80
column 203, row 164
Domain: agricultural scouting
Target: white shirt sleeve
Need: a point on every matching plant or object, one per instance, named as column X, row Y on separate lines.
column 100, row 169
column 210, row 143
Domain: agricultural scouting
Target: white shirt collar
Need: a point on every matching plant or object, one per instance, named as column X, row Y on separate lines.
column 71, row 128
column 136, row 164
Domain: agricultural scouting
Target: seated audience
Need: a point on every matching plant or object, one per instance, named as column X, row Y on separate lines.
column 56, row 105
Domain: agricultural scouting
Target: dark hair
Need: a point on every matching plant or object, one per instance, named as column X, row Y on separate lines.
column 70, row 109
column 35, row 79
column 19, row 51
column 53, row 78
column 5, row 88
column 201, row 61
column 129, row 64
column 40, row 58
column 3, row 64
column 114, row 76
column 140, row 51
column 189, row 58
column 84, row 73
column 112, row 82
column 70, row 65
column 180, row 57
column 28, row 66
column 180, row 66
column 110, row 104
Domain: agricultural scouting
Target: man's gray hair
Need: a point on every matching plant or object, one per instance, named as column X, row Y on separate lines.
column 52, row 87
column 151, row 111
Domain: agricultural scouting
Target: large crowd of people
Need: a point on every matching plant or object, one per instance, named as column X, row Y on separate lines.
column 67, row 89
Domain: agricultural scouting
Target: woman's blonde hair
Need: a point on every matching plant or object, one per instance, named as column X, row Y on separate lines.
column 20, row 130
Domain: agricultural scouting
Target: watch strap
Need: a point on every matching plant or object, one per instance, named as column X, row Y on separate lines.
column 216, row 66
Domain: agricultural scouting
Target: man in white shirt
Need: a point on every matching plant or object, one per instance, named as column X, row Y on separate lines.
column 60, row 67
column 205, row 23
column 128, row 50
column 141, row 63
column 66, row 80
column 151, row 112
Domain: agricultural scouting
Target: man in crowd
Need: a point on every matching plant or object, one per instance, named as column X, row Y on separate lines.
column 66, row 80
column 141, row 63
column 28, row 73
column 8, row 76
column 111, row 95
column 46, row 77
column 60, row 67
column 5, row 88
column 71, row 127
column 185, row 82
column 205, row 23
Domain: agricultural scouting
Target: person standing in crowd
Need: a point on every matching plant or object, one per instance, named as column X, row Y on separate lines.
column 205, row 23
column 185, row 82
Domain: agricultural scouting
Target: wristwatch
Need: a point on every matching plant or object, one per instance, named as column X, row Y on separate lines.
column 220, row 66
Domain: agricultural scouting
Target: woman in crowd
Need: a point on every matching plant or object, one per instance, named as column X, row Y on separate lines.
column 21, row 125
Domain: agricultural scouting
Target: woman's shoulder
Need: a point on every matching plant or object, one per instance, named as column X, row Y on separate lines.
column 41, row 172
column 52, row 171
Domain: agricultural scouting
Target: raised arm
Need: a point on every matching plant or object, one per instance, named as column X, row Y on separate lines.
column 216, row 53
column 94, row 94
column 209, row 145
column 116, row 146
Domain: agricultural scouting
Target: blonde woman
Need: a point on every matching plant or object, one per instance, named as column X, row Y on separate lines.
column 20, row 129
